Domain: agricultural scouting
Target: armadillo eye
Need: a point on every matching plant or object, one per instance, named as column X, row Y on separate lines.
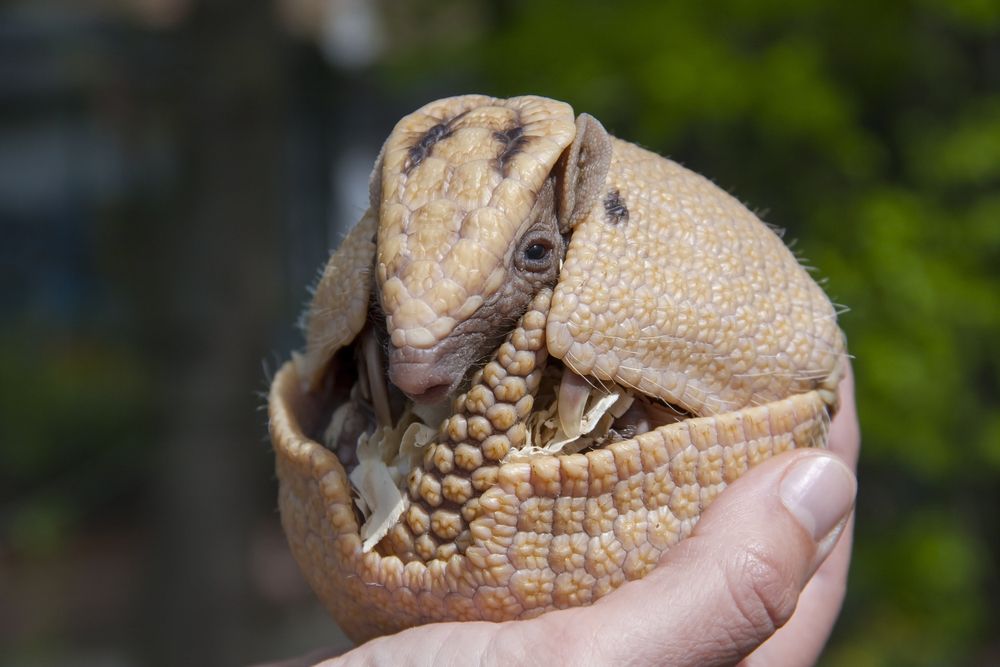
column 536, row 252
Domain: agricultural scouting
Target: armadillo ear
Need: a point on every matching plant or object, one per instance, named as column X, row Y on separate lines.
column 581, row 171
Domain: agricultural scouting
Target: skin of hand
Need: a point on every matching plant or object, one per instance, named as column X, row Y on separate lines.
column 759, row 582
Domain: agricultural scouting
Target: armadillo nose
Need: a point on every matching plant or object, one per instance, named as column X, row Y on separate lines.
column 421, row 382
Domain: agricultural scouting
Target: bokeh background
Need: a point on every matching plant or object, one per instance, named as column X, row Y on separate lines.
column 174, row 172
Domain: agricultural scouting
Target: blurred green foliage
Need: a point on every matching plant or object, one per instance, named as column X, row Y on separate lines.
column 872, row 133
column 75, row 416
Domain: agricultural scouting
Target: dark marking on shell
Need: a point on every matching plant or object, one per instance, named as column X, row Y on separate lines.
column 615, row 209
column 419, row 151
column 513, row 141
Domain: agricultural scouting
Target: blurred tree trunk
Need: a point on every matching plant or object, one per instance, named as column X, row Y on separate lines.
column 211, row 310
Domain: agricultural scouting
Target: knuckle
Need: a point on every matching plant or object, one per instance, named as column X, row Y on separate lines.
column 763, row 588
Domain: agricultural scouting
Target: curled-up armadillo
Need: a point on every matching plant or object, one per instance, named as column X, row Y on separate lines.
column 536, row 359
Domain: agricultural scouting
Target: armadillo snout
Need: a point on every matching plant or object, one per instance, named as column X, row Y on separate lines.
column 423, row 381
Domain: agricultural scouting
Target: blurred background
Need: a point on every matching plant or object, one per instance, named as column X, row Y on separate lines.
column 174, row 172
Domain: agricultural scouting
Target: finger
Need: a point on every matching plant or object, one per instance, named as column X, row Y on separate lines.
column 845, row 432
column 801, row 640
column 720, row 593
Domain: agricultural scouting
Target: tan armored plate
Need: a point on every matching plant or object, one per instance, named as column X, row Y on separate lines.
column 537, row 358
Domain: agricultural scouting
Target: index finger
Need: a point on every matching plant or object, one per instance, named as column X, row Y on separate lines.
column 845, row 432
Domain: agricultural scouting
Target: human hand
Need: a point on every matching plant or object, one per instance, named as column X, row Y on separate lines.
column 761, row 579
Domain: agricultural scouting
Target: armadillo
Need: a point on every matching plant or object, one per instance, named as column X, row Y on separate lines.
column 530, row 366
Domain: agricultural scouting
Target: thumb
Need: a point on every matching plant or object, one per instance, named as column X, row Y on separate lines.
column 720, row 593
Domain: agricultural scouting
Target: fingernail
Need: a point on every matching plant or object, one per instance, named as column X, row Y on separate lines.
column 819, row 492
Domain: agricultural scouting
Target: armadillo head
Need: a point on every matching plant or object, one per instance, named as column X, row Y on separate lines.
column 471, row 214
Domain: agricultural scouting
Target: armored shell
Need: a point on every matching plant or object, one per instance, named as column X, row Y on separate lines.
column 540, row 488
